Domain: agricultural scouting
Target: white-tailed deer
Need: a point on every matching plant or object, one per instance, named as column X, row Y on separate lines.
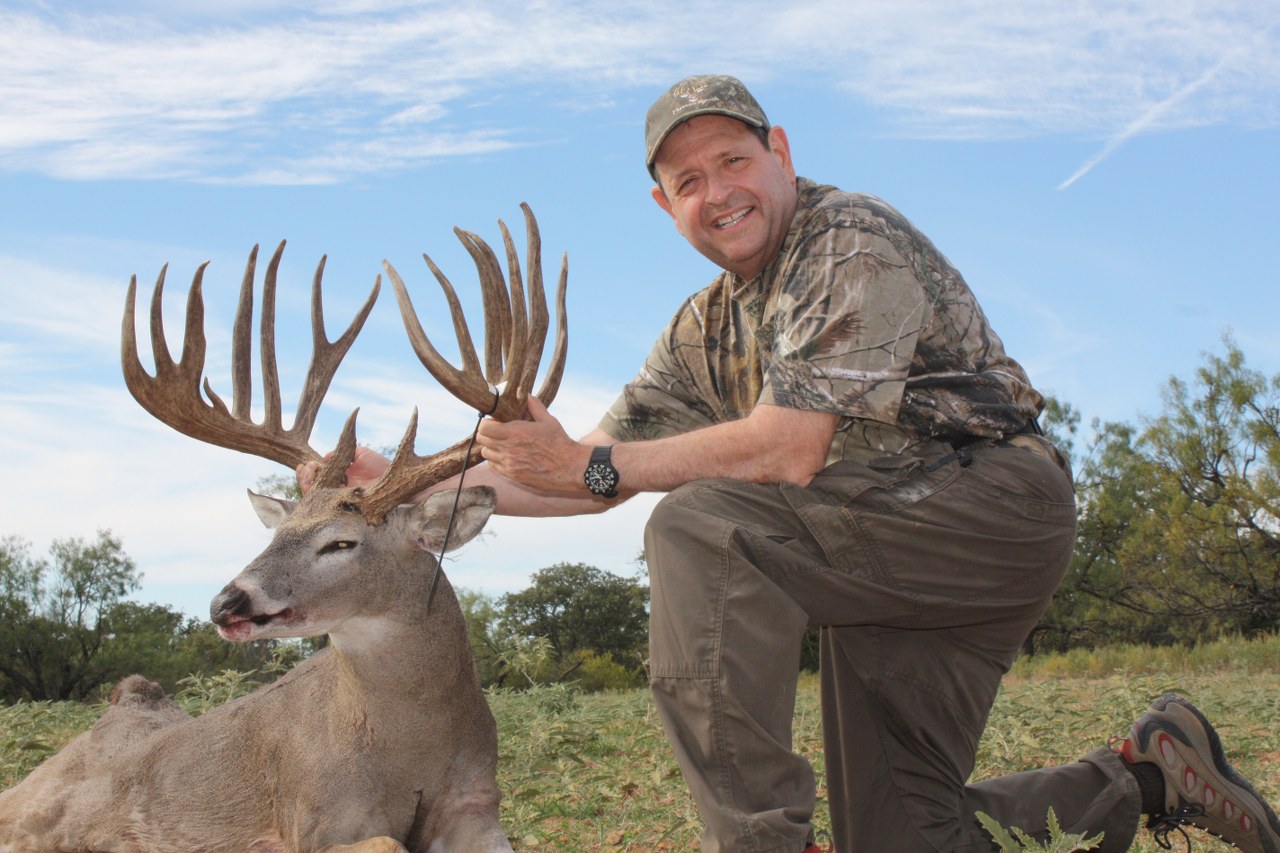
column 380, row 742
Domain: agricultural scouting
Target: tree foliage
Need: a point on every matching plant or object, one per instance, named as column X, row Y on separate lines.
column 1179, row 524
column 577, row 607
column 66, row 629
column 55, row 616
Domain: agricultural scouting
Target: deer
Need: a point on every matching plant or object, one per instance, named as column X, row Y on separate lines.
column 381, row 742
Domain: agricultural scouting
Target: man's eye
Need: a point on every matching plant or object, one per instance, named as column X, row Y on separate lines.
column 338, row 545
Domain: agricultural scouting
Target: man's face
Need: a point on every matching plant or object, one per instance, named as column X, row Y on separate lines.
column 730, row 197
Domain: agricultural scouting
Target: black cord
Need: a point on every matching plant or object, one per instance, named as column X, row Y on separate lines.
column 457, row 497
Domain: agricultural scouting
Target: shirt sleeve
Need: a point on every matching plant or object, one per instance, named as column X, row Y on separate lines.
column 703, row 370
column 658, row 402
column 841, row 331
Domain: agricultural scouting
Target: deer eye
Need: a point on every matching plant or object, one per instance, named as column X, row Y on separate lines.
column 338, row 545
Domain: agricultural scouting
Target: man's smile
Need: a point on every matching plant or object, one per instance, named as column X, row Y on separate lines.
column 732, row 219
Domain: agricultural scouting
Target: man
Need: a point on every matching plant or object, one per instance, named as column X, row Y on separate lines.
column 845, row 444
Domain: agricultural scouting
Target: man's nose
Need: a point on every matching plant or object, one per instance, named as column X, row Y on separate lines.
column 718, row 189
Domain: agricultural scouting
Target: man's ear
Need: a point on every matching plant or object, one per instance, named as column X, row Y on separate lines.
column 661, row 198
column 780, row 147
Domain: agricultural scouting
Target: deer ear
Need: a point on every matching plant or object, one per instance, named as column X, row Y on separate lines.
column 272, row 511
column 475, row 505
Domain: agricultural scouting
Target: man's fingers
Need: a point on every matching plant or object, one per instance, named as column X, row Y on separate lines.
column 306, row 475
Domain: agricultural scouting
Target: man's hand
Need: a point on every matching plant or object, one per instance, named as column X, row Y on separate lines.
column 538, row 453
column 365, row 469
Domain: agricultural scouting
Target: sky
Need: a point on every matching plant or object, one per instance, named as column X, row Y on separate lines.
column 1104, row 174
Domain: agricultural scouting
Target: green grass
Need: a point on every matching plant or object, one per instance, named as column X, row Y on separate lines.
column 594, row 773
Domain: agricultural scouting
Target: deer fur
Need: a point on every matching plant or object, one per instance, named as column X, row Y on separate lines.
column 381, row 742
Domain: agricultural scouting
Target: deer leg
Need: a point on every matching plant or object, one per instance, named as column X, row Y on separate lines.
column 381, row 844
column 471, row 833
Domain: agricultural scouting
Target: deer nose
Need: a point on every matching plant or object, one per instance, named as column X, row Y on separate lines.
column 232, row 601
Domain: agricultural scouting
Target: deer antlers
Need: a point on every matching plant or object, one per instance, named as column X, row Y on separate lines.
column 511, row 334
column 514, row 338
column 173, row 394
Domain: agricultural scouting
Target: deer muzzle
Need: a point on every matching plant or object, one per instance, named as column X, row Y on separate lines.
column 238, row 618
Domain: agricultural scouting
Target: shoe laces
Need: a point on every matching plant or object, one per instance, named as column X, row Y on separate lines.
column 1164, row 825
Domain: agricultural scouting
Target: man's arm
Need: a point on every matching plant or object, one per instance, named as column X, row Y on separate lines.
column 773, row 444
column 536, row 468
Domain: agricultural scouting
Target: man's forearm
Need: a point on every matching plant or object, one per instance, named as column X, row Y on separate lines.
column 772, row 445
column 517, row 499
column 538, row 469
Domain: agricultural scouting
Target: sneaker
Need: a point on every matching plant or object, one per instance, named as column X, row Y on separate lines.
column 1201, row 788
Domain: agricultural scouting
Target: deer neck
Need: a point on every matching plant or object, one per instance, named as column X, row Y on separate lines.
column 409, row 645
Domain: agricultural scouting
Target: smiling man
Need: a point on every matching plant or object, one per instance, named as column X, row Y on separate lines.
column 847, row 445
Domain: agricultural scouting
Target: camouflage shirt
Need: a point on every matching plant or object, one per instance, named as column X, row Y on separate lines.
column 858, row 315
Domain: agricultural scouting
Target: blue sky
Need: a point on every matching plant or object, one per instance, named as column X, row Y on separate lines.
column 1105, row 175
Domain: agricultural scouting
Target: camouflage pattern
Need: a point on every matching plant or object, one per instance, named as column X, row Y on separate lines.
column 858, row 315
column 704, row 94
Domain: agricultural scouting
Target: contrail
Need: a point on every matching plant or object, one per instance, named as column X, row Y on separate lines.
column 1148, row 118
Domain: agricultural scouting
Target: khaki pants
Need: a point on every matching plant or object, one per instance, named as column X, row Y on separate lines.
column 925, row 575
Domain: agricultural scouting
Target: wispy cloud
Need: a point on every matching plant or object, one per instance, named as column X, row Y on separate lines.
column 1159, row 112
column 275, row 94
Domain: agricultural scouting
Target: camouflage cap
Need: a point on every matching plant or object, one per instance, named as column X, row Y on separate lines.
column 703, row 94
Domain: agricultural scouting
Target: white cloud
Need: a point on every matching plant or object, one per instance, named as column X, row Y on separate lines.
column 1237, row 57
column 49, row 302
column 196, row 93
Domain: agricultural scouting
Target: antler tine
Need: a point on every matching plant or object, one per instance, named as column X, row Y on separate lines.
column 511, row 330
column 527, row 335
column 333, row 473
column 241, row 333
column 326, row 355
column 271, row 416
column 500, row 308
column 467, row 384
column 555, row 370
column 173, row 395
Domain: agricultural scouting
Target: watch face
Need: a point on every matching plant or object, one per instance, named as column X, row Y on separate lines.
column 601, row 479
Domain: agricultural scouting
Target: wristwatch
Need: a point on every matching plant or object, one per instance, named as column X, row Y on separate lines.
column 601, row 477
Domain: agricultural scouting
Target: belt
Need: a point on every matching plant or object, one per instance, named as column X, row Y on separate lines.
column 1031, row 427
column 960, row 445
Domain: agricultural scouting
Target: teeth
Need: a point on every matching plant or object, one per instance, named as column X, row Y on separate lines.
column 732, row 220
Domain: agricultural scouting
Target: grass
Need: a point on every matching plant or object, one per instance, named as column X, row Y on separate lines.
column 594, row 772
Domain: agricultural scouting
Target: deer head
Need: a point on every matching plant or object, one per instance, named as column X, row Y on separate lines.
column 320, row 574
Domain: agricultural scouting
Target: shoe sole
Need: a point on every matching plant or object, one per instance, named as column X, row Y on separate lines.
column 1208, row 738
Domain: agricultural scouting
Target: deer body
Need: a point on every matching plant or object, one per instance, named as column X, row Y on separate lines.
column 383, row 735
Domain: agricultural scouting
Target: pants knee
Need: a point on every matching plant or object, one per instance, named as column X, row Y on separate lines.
column 678, row 526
